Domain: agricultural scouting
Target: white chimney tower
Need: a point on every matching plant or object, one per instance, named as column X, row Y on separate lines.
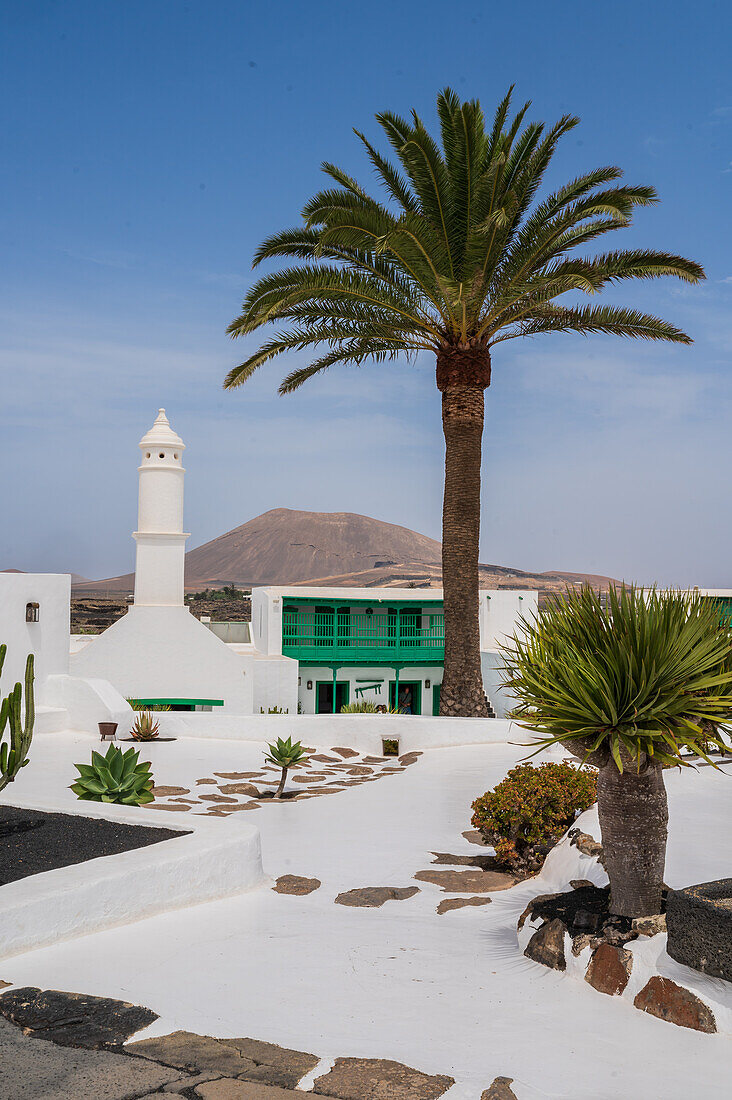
column 160, row 538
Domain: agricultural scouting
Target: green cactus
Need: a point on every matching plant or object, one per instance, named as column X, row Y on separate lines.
column 14, row 751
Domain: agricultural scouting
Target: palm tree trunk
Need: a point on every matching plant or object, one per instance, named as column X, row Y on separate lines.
column 280, row 790
column 633, row 813
column 462, row 375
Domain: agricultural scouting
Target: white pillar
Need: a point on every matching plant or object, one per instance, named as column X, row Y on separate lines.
column 159, row 568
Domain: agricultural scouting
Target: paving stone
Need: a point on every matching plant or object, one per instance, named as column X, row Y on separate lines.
column 373, row 896
column 5, row 985
column 322, row 758
column 374, row 759
column 484, row 862
column 308, row 778
column 243, row 1058
column 74, row 1019
column 242, row 806
column 296, row 884
column 237, row 775
column 239, row 788
column 474, row 837
column 459, row 903
column 668, row 1001
column 184, row 801
column 409, row 758
column 609, row 969
column 346, row 753
column 227, row 1089
column 379, row 1079
column 467, row 882
column 34, row 1070
column 360, row 769
column 500, row 1090
column 217, row 798
column 167, row 806
column 164, row 792
column 546, row 946
column 190, row 1082
column 200, row 781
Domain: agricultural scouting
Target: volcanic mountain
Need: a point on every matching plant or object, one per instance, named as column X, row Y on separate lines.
column 329, row 548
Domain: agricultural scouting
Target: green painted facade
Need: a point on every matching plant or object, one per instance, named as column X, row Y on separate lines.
column 363, row 633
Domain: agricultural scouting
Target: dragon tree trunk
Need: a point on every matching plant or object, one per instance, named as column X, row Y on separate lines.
column 633, row 812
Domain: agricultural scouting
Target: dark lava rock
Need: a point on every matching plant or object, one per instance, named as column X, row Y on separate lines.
column 668, row 1001
column 609, row 969
column 699, row 924
column 586, row 843
column 371, row 897
column 379, row 1079
column 296, row 884
column 73, row 1019
column 546, row 946
column 583, row 911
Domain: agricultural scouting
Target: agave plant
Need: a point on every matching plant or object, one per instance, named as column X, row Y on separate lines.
column 115, row 777
column 364, row 706
column 283, row 754
column 144, row 728
column 626, row 686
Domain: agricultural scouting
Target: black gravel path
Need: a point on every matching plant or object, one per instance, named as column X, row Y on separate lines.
column 32, row 841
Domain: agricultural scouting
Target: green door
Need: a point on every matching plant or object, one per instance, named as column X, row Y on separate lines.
column 324, row 696
column 410, row 696
column 436, row 699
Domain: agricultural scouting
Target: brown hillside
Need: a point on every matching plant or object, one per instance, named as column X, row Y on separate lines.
column 284, row 546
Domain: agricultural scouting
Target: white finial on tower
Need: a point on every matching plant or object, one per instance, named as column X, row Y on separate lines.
column 160, row 537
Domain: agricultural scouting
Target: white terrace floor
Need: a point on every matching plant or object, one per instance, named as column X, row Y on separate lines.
column 446, row 994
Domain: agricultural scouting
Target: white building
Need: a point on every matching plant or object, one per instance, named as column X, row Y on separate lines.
column 34, row 618
column 158, row 652
column 382, row 645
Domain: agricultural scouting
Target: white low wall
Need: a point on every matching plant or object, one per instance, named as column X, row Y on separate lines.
column 216, row 859
column 363, row 732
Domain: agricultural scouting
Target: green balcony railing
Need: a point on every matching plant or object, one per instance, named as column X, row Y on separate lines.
column 356, row 637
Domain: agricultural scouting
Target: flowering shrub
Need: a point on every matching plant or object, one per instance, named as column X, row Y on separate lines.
column 527, row 812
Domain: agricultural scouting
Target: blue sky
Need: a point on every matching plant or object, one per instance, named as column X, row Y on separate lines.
column 147, row 148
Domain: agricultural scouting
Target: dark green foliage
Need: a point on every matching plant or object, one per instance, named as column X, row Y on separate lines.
column 645, row 675
column 14, row 751
column 115, row 777
column 390, row 746
column 461, row 252
column 531, row 808
column 228, row 592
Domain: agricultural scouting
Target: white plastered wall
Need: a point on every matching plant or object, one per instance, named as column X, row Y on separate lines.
column 358, row 676
column 165, row 652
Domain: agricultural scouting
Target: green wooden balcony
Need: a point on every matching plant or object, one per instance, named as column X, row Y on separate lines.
column 356, row 637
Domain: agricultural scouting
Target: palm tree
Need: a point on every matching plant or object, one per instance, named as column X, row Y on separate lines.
column 626, row 686
column 459, row 258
